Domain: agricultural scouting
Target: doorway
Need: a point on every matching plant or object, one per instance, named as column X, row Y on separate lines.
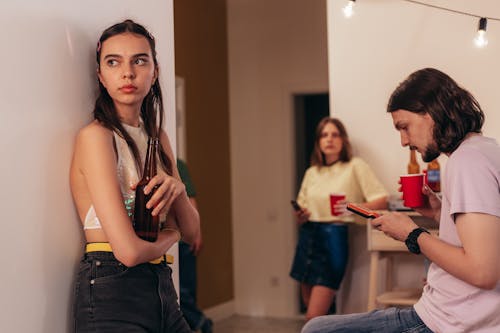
column 309, row 109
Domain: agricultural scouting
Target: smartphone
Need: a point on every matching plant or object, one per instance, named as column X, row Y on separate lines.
column 364, row 212
column 295, row 205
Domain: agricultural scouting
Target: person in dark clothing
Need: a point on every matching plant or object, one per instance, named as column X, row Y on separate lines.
column 187, row 266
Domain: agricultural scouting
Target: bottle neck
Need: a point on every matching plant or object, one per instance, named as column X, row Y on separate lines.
column 150, row 162
column 413, row 156
column 413, row 166
column 434, row 164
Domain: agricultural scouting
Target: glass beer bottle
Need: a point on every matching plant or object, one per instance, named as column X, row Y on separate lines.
column 413, row 166
column 434, row 175
column 146, row 226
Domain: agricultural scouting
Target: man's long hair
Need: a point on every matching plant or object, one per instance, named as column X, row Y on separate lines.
column 454, row 110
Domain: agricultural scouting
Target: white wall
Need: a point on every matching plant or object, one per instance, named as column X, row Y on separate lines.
column 376, row 49
column 47, row 88
column 276, row 48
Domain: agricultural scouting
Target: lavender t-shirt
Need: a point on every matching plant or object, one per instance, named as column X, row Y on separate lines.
column 471, row 185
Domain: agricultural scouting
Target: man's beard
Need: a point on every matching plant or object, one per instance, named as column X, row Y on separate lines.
column 431, row 153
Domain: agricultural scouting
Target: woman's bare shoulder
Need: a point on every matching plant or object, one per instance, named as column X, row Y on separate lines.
column 92, row 141
column 93, row 132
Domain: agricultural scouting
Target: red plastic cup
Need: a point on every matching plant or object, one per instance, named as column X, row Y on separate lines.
column 334, row 197
column 412, row 190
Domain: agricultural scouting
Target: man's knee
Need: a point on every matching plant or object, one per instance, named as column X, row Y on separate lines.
column 314, row 325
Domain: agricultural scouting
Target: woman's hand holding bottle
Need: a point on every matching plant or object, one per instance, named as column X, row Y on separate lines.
column 166, row 189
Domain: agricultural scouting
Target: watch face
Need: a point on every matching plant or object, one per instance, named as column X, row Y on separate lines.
column 411, row 241
column 412, row 247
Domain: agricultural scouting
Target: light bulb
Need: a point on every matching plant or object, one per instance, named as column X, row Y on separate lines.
column 480, row 40
column 349, row 9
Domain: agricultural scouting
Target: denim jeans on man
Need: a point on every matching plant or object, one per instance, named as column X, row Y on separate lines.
column 392, row 320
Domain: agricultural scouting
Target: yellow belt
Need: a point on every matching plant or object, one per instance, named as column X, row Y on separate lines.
column 106, row 247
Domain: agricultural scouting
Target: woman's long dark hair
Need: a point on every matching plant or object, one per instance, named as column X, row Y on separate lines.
column 152, row 105
column 454, row 110
column 317, row 157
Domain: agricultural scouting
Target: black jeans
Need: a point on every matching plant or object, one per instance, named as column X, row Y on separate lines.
column 110, row 297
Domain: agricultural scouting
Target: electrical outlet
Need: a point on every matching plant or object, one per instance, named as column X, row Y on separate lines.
column 275, row 281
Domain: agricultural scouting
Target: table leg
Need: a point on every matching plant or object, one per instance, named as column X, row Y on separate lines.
column 372, row 288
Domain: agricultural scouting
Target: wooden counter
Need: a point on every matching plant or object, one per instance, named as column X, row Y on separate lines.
column 382, row 246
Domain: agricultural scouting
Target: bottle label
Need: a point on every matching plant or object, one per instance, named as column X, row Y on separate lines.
column 433, row 176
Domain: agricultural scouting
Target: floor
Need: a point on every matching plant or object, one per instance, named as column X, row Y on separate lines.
column 244, row 324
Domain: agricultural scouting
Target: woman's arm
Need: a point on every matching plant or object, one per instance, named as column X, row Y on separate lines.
column 96, row 160
column 302, row 215
column 370, row 185
column 377, row 204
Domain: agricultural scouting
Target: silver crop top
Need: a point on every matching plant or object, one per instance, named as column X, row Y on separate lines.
column 126, row 170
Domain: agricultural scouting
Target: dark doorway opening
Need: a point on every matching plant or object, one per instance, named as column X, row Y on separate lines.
column 309, row 110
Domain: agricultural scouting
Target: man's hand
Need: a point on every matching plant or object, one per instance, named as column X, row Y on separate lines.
column 432, row 204
column 395, row 225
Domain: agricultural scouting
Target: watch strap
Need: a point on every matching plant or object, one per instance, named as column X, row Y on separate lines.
column 412, row 243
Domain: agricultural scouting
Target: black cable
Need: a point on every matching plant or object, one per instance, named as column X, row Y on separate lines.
column 452, row 10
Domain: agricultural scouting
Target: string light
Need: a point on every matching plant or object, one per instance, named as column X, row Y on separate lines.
column 481, row 40
column 349, row 8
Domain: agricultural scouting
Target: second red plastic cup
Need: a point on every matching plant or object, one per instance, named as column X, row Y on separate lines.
column 412, row 190
column 334, row 197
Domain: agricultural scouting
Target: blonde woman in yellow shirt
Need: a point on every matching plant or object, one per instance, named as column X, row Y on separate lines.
column 322, row 250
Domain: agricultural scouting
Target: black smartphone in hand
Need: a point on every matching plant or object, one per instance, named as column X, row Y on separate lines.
column 295, row 205
column 364, row 212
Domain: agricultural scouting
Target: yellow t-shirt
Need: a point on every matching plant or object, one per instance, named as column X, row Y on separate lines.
column 354, row 178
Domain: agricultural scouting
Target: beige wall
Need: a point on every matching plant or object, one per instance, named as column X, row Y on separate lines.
column 276, row 48
column 369, row 55
column 201, row 59
column 46, row 95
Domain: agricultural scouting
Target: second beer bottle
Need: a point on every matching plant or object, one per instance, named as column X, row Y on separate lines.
column 413, row 166
column 146, row 226
column 434, row 175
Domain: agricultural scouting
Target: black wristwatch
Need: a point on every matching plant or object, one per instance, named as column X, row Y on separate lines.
column 411, row 241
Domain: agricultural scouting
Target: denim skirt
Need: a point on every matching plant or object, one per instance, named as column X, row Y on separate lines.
column 110, row 297
column 321, row 254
